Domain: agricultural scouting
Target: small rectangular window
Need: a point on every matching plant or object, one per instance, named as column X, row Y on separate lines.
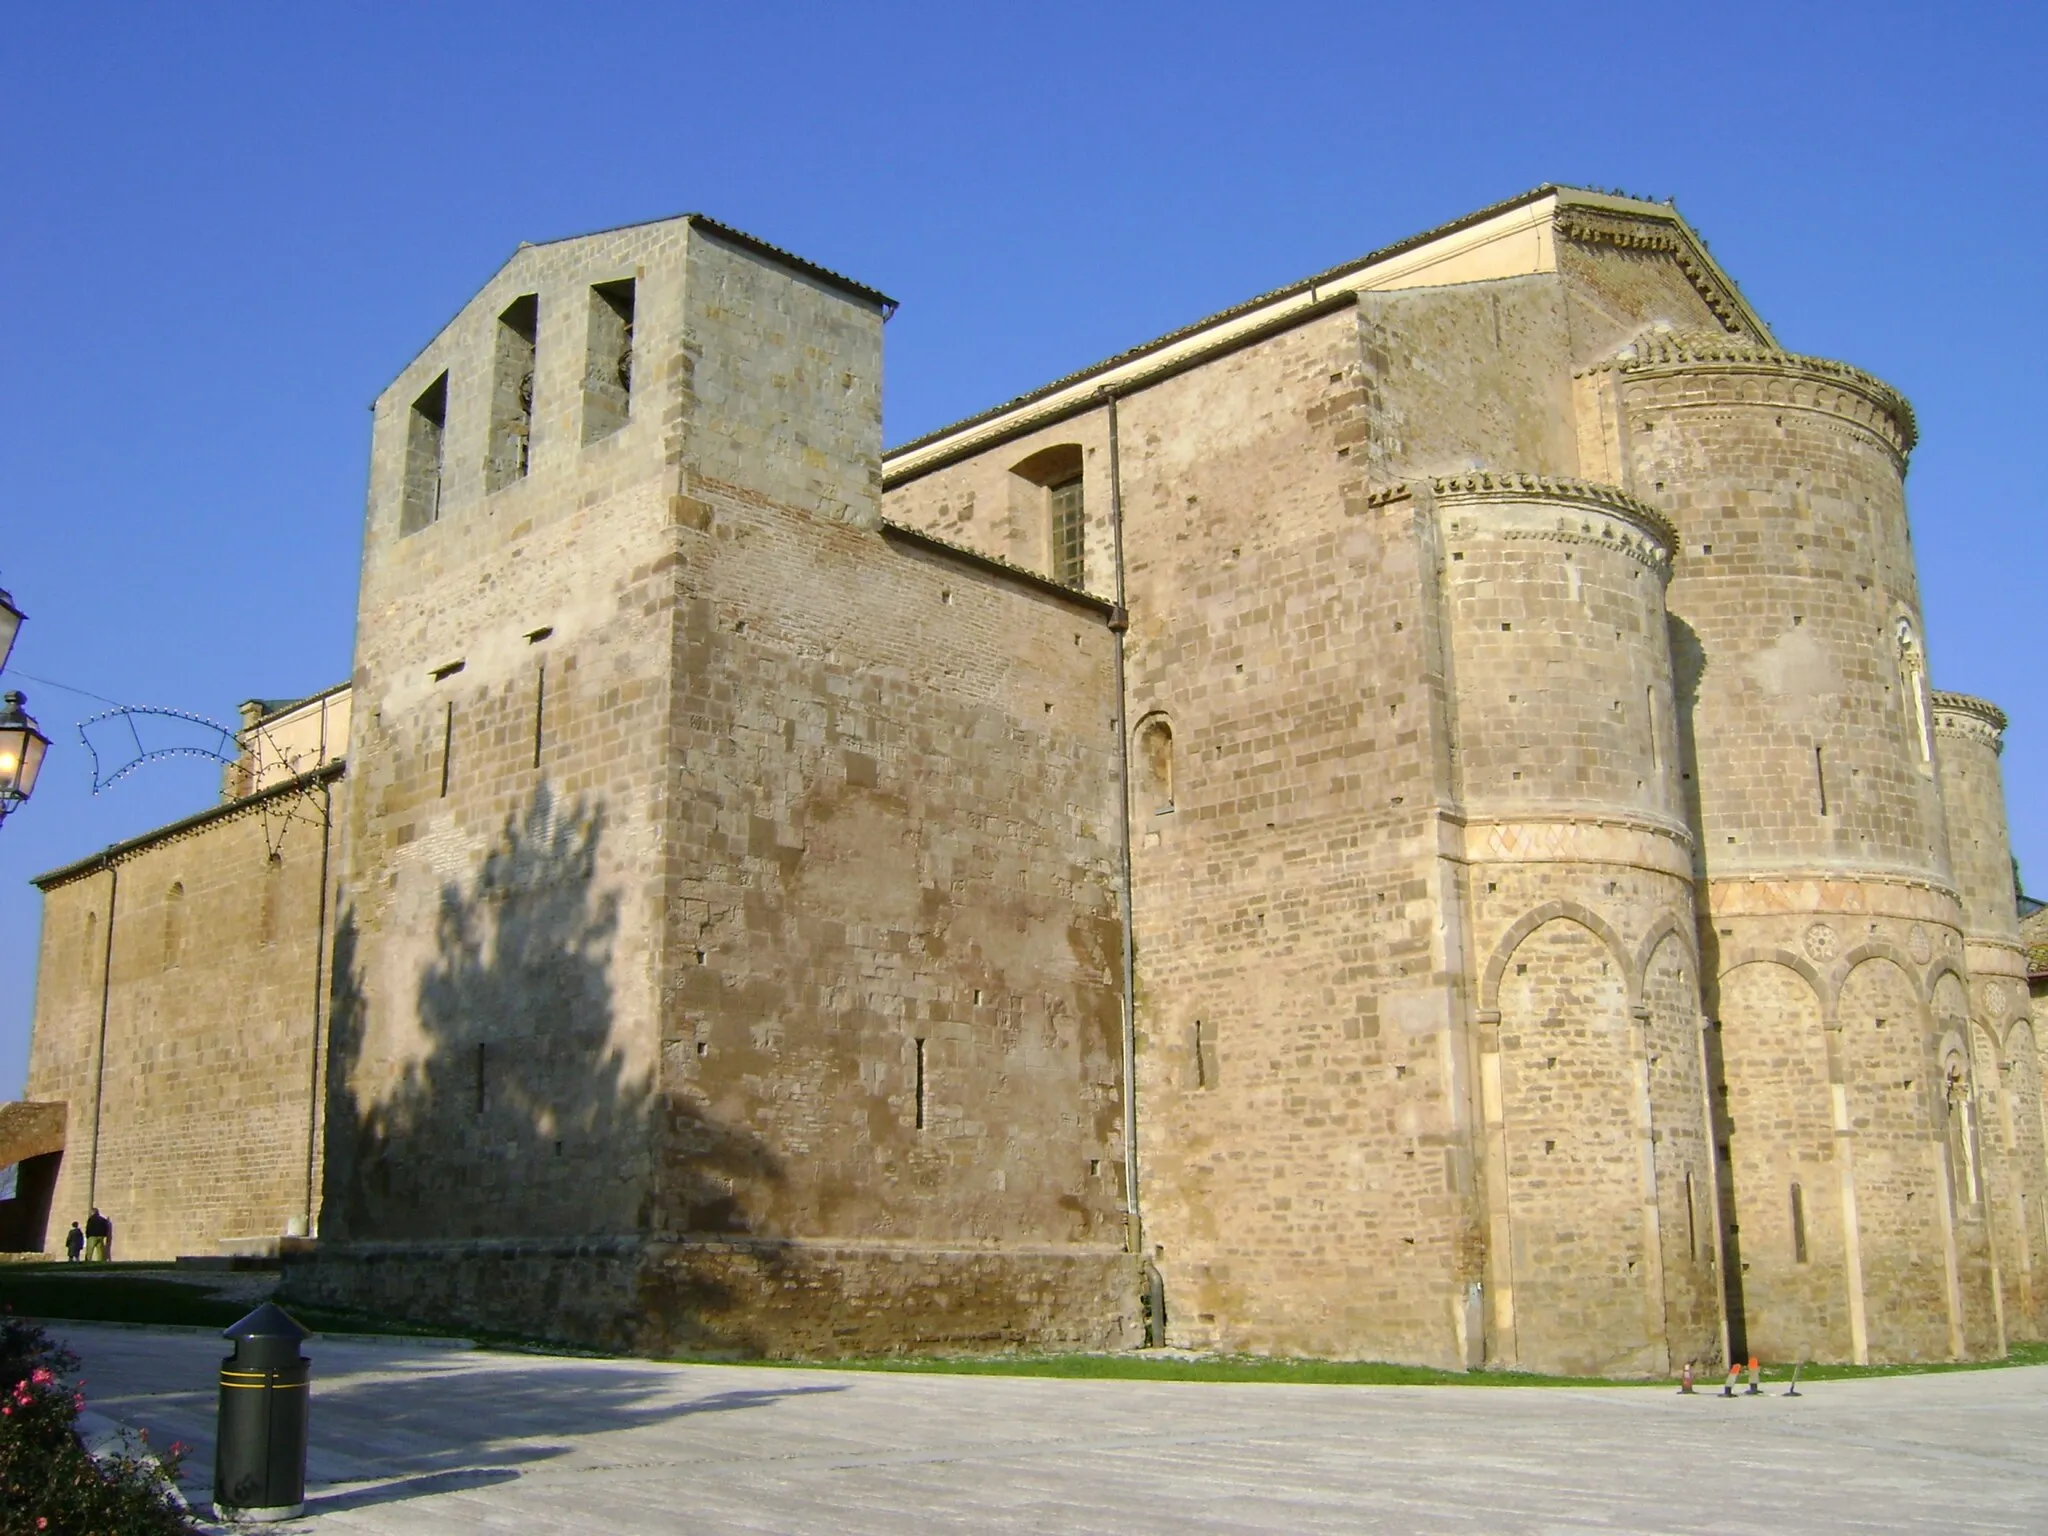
column 512, row 393
column 608, row 364
column 425, row 427
column 1069, row 533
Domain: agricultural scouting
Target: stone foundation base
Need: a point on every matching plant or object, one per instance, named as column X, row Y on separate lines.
column 793, row 1300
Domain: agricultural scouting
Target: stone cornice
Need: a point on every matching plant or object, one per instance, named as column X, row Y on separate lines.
column 1499, row 486
column 1968, row 718
column 191, row 826
column 1581, row 226
column 1663, row 355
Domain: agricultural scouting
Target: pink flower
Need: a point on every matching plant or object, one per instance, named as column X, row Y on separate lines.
column 41, row 1376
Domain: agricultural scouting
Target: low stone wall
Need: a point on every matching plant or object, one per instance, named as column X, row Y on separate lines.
column 580, row 1293
column 739, row 1299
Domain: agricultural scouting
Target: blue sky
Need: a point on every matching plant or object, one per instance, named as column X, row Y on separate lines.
column 224, row 228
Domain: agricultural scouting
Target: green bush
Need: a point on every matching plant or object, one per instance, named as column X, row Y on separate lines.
column 49, row 1485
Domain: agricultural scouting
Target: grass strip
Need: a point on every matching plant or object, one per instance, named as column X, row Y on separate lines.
column 104, row 1294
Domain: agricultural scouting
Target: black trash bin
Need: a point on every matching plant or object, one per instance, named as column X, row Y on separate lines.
column 259, row 1457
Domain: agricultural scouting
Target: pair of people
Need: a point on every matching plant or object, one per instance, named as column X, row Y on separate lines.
column 92, row 1242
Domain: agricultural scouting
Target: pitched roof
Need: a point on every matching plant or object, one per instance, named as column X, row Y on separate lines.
column 1399, row 264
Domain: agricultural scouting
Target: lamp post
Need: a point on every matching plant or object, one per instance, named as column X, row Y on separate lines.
column 21, row 752
column 10, row 626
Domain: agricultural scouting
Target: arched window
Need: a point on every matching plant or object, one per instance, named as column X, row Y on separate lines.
column 174, row 924
column 1047, row 487
column 1153, row 786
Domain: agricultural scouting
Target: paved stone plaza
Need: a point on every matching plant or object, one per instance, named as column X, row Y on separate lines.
column 410, row 1437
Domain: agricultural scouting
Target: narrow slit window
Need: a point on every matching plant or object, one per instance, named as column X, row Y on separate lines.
column 920, row 1083
column 1798, row 1225
column 447, row 744
column 1692, row 1234
column 1650, row 724
column 608, row 364
column 1206, row 1064
column 512, row 393
column 1820, row 779
column 174, row 925
column 1069, row 533
column 479, row 1109
column 425, row 433
column 266, row 917
column 540, row 704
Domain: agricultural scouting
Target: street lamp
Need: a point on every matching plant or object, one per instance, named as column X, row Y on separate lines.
column 10, row 626
column 21, row 752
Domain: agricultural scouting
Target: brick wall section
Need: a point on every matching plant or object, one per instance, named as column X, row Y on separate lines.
column 207, row 1087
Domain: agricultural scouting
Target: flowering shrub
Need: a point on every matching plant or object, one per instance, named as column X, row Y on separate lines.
column 49, row 1485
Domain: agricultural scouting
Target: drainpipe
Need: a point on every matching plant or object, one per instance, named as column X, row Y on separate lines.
column 319, row 968
column 1119, row 625
column 99, row 1068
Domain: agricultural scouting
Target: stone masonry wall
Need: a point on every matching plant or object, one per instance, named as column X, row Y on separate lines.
column 198, row 1127
column 1579, row 889
column 497, row 947
column 1536, row 964
column 1808, row 744
column 748, row 887
column 1305, row 1162
column 2005, row 1086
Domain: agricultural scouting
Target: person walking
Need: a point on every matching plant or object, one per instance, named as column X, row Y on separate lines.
column 98, row 1232
column 74, row 1244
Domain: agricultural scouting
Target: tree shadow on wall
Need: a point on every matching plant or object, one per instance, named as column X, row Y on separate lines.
column 515, row 1113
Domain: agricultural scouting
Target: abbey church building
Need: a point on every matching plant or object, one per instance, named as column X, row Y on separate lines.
column 1407, row 820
